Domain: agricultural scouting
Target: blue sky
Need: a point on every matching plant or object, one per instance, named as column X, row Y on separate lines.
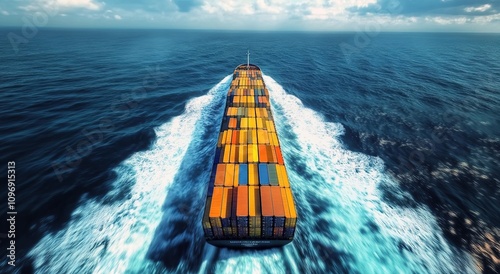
column 321, row 15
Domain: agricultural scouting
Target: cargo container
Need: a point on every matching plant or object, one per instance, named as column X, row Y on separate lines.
column 249, row 201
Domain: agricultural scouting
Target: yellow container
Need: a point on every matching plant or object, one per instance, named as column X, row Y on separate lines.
column 229, row 136
column 244, row 123
column 228, row 179
column 236, row 175
column 243, row 137
column 227, row 153
column 242, row 154
column 234, row 154
column 283, row 177
column 270, row 126
column 253, row 175
column 262, row 136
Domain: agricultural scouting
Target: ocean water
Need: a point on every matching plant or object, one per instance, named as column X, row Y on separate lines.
column 392, row 141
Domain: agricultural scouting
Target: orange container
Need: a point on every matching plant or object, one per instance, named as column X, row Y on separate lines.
column 220, row 174
column 278, row 155
column 261, row 209
column 215, row 207
column 235, row 137
column 263, row 157
column 271, row 154
column 242, row 202
column 266, row 201
column 278, row 209
column 232, row 122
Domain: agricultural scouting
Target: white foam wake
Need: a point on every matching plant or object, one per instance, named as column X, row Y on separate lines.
column 344, row 225
column 371, row 235
column 114, row 237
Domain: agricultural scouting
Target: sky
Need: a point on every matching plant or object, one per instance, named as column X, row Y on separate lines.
column 289, row 15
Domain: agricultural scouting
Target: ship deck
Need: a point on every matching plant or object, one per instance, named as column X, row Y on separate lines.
column 249, row 199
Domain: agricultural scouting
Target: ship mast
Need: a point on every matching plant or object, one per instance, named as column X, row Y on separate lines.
column 248, row 59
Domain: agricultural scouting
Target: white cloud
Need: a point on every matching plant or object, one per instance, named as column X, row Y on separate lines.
column 482, row 8
column 70, row 4
column 310, row 10
column 486, row 19
column 258, row 14
column 448, row 20
column 4, row 12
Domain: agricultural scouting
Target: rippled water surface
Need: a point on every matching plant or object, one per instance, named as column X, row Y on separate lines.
column 392, row 149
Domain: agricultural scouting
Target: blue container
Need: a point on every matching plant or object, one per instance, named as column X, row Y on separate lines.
column 263, row 175
column 243, row 177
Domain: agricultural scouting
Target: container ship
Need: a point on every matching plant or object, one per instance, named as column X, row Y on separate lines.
column 249, row 201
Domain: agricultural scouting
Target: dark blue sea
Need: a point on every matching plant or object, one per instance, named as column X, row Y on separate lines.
column 392, row 142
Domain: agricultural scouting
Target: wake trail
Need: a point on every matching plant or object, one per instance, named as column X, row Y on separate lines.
column 112, row 235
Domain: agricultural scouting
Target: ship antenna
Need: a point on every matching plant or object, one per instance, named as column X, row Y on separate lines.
column 248, row 59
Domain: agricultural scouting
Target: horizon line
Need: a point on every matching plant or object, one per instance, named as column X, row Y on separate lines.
column 251, row 30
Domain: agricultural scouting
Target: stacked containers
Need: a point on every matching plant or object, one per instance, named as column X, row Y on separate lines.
column 249, row 195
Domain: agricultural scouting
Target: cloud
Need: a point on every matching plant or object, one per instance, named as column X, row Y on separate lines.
column 448, row 21
column 187, row 5
column 71, row 4
column 482, row 8
column 266, row 14
column 298, row 9
column 431, row 7
column 57, row 5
